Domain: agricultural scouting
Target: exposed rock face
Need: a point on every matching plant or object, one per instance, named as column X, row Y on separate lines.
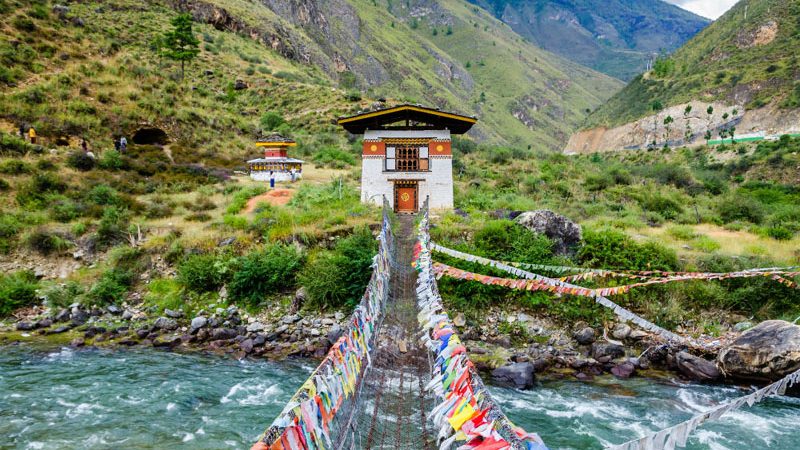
column 518, row 375
column 564, row 233
column 766, row 352
column 696, row 368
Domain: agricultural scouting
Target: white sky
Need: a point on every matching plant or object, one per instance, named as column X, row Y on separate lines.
column 707, row 8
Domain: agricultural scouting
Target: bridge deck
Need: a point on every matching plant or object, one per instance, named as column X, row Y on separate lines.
column 394, row 401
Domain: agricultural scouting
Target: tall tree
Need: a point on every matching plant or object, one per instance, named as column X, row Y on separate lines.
column 687, row 135
column 656, row 106
column 179, row 44
column 667, row 124
column 709, row 111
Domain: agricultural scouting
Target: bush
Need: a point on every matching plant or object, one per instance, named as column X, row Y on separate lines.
column 17, row 290
column 46, row 242
column 33, row 194
column 61, row 296
column 506, row 241
column 111, row 229
column 203, row 273
column 4, row 186
column 13, row 145
column 737, row 207
column 46, row 164
column 612, row 249
column 339, row 278
column 271, row 120
column 63, row 209
column 265, row 272
column 655, row 202
column 111, row 160
column 15, row 167
column 81, row 161
column 780, row 233
column 334, row 157
column 112, row 287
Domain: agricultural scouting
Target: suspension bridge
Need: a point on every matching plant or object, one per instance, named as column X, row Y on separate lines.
column 400, row 378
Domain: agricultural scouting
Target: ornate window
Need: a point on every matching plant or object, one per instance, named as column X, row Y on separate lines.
column 406, row 158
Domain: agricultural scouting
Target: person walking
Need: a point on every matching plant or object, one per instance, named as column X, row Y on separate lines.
column 294, row 174
column 84, row 145
column 32, row 135
column 22, row 130
column 271, row 179
column 123, row 144
column 116, row 144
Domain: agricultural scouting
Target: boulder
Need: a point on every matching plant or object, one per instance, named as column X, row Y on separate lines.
column 334, row 334
column 246, row 345
column 239, row 85
column 564, row 233
column 25, row 326
column 624, row 370
column 62, row 316
column 255, row 327
column 767, row 352
column 127, row 315
column 223, row 333
column 198, row 322
column 621, row 331
column 164, row 323
column 517, row 375
column 114, row 310
column 696, row 367
column 173, row 314
column 609, row 351
column 584, row 336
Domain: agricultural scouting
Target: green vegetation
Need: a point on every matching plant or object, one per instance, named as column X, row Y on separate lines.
column 735, row 59
column 264, row 272
column 17, row 289
column 180, row 43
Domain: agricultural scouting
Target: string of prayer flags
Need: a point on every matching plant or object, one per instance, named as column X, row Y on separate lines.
column 307, row 420
column 676, row 436
column 466, row 414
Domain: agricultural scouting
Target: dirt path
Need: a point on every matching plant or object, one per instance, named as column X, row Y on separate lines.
column 275, row 197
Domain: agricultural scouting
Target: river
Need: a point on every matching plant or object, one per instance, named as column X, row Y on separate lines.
column 99, row 399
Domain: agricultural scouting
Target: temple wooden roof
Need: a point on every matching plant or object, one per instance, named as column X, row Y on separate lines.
column 415, row 117
column 275, row 140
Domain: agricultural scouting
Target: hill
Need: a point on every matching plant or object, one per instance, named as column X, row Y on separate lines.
column 618, row 38
column 746, row 61
column 89, row 69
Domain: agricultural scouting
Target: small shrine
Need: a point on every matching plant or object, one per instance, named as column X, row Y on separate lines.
column 276, row 161
column 407, row 155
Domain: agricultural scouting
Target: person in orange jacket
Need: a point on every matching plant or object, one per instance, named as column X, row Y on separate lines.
column 32, row 135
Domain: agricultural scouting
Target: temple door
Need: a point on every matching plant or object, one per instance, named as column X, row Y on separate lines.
column 405, row 197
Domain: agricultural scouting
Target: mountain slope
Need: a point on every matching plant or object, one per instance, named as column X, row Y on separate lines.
column 616, row 37
column 745, row 65
column 446, row 53
column 748, row 57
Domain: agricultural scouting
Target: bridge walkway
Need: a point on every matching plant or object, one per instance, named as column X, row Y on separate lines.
column 394, row 400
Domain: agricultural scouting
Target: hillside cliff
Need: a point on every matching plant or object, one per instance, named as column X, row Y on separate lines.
column 615, row 37
column 747, row 61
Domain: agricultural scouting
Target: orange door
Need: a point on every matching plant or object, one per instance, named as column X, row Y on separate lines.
column 406, row 199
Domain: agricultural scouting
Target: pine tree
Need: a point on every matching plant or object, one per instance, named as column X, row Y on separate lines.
column 180, row 44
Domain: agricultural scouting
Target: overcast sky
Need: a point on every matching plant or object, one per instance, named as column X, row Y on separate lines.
column 707, row 8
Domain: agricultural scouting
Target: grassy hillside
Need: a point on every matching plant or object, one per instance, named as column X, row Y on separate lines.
column 747, row 57
column 617, row 38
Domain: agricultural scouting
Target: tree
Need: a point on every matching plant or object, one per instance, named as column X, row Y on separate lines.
column 709, row 111
column 179, row 44
column 731, row 132
column 667, row 122
column 687, row 135
column 271, row 120
column 656, row 106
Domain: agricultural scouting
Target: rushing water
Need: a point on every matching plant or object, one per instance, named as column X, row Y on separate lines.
column 97, row 399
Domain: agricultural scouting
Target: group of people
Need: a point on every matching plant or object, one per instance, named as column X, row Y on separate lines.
column 120, row 144
column 28, row 133
column 292, row 172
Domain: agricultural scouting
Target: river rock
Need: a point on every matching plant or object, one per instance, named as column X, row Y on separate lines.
column 637, row 334
column 79, row 316
column 62, row 316
column 197, row 323
column 61, row 329
column 247, row 345
column 25, row 326
column 255, row 327
column 696, row 367
column 164, row 323
column 114, row 310
column 607, row 351
column 288, row 320
column 621, row 331
column 584, row 336
column 459, row 320
column 624, row 370
column 767, row 352
column 173, row 314
column 166, row 341
column 743, row 326
column 334, row 334
column 517, row 375
column 223, row 333
column 564, row 233
column 259, row 340
column 338, row 316
column 127, row 315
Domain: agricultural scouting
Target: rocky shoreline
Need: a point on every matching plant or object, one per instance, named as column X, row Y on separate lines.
column 513, row 349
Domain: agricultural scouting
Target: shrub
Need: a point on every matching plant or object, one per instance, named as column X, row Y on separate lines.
column 81, row 161
column 111, row 160
column 15, row 167
column 33, row 193
column 199, row 217
column 738, row 207
column 165, row 293
column 706, row 244
column 270, row 270
column 63, row 209
column 654, row 201
column 61, row 296
column 271, row 120
column 4, row 186
column 334, row 157
column 203, row 273
column 17, row 290
column 112, row 287
column 13, row 145
column 507, row 241
column 240, row 198
column 111, row 229
column 46, row 164
column 682, row 232
column 46, row 242
column 780, row 233
column 103, row 195
column 612, row 249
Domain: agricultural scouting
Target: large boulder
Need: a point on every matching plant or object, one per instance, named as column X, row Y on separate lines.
column 696, row 367
column 517, row 375
column 767, row 352
column 564, row 233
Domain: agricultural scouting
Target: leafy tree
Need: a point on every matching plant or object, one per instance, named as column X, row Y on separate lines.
column 667, row 124
column 180, row 44
column 271, row 120
column 688, row 134
column 709, row 111
column 656, row 106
